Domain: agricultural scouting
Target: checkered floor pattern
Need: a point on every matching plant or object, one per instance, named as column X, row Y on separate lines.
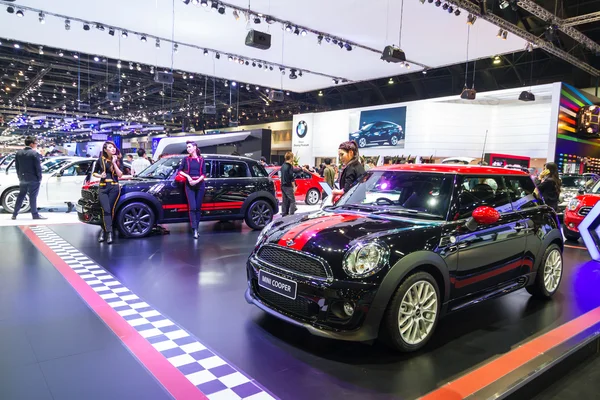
column 212, row 375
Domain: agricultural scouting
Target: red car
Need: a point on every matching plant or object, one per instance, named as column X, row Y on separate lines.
column 576, row 211
column 309, row 190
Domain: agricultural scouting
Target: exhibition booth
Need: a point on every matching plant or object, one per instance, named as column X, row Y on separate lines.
column 496, row 126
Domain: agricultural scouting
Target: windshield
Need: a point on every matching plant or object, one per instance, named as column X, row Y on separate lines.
column 162, row 169
column 419, row 194
column 574, row 181
column 52, row 165
column 366, row 127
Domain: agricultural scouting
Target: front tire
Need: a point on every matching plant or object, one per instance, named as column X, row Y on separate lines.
column 136, row 220
column 10, row 198
column 258, row 214
column 362, row 142
column 413, row 313
column 394, row 140
column 570, row 235
column 312, row 197
column 549, row 274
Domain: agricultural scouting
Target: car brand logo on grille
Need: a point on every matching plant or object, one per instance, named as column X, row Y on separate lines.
column 290, row 242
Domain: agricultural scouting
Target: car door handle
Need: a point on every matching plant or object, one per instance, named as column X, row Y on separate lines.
column 522, row 227
column 249, row 186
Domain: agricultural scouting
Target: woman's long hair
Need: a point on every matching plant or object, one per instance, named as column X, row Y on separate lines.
column 105, row 152
column 553, row 173
column 198, row 153
column 350, row 146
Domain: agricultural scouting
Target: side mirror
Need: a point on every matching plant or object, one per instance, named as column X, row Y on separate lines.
column 581, row 190
column 483, row 215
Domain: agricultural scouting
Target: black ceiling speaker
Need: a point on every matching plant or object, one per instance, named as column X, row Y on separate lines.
column 468, row 94
column 526, row 96
column 393, row 54
column 164, row 77
column 259, row 40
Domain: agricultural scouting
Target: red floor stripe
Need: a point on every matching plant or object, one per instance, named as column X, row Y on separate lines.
column 489, row 373
column 168, row 376
column 575, row 247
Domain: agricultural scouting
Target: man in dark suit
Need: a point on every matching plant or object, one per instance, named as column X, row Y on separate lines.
column 29, row 171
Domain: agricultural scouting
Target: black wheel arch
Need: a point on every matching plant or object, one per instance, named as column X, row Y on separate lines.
column 261, row 195
column 141, row 197
column 554, row 236
column 425, row 261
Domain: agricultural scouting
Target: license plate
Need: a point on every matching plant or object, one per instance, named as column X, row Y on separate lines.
column 277, row 284
column 79, row 208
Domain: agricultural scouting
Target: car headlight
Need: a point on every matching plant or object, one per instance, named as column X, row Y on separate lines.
column 365, row 260
column 263, row 234
column 355, row 135
column 573, row 204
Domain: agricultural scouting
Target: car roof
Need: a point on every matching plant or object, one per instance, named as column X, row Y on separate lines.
column 215, row 156
column 451, row 169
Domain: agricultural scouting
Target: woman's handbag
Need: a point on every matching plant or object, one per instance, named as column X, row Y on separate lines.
column 180, row 178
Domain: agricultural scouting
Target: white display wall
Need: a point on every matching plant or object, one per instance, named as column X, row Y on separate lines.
column 446, row 127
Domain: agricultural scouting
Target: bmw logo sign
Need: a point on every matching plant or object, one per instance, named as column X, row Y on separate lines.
column 301, row 129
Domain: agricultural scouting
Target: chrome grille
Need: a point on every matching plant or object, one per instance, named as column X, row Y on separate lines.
column 293, row 261
column 584, row 210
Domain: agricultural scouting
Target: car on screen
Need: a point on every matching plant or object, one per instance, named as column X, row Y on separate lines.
column 378, row 133
column 577, row 209
column 308, row 184
column 573, row 185
column 404, row 246
column 588, row 120
column 237, row 188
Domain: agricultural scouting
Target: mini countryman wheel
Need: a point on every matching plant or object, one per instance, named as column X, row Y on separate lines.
column 10, row 199
column 570, row 235
column 136, row 220
column 312, row 197
column 394, row 140
column 259, row 214
column 549, row 274
column 413, row 313
column 362, row 142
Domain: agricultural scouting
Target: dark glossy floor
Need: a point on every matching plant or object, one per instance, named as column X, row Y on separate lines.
column 52, row 346
column 200, row 285
column 581, row 383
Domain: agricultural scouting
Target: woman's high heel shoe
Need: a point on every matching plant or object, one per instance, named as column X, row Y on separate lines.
column 101, row 237
column 109, row 237
column 195, row 232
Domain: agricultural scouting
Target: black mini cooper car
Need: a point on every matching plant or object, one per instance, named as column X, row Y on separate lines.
column 406, row 245
column 237, row 188
column 378, row 133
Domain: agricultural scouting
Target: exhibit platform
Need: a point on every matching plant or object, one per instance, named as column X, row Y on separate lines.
column 165, row 317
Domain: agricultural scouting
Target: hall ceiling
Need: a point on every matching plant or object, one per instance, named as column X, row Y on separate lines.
column 431, row 37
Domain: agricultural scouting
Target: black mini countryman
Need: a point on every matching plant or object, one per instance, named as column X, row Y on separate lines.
column 406, row 245
column 237, row 188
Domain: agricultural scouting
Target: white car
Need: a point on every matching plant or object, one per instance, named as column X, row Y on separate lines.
column 61, row 183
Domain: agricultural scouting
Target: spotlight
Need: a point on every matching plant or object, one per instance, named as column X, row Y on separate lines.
column 438, row 3
column 304, row 33
column 41, row 50
column 319, row 39
column 217, row 56
column 257, row 88
column 234, row 83
column 175, row 48
column 86, row 27
column 96, row 58
column 497, row 60
column 341, row 44
column 348, row 46
column 504, row 35
column 253, row 64
column 111, row 32
column 205, row 52
column 60, row 53
column 335, row 81
column 20, row 13
column 287, row 93
column 391, row 81
column 424, row 72
column 282, row 70
column 257, row 20
column 186, row 1
column 288, row 28
column 450, row 10
column 214, row 5
column 119, row 64
column 270, row 68
column 457, row 12
column 10, row 10
column 297, row 31
column 293, row 74
column 445, row 6
column 247, row 62
column 430, row 1
column 100, row 27
column 529, row 47
column 236, row 15
column 471, row 19
column 204, row 3
column 500, row 33
column 42, row 18
column 222, row 10
column 230, row 58
column 76, row 56
column 144, row 39
column 320, row 93
column 269, row 20
column 67, row 24
column 157, row 43
column 130, row 65
column 17, row 46
column 124, row 34
column 226, row 83
column 504, row 4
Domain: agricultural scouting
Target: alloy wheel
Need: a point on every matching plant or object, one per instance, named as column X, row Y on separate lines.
column 394, row 140
column 418, row 312
column 362, row 142
column 552, row 271
column 137, row 220
column 11, row 201
column 313, row 197
column 261, row 214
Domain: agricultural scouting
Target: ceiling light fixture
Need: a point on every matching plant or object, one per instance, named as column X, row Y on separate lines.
column 144, row 39
column 10, row 10
column 457, row 12
column 41, row 50
column 42, row 18
column 222, row 10
column 60, row 53
column 214, row 5
column 111, row 32
column 86, row 27
column 67, row 25
column 205, row 52
column 157, row 43
column 471, row 19
column 236, row 15
column 20, row 13
column 288, row 28
column 204, row 3
column 96, row 58
column 124, row 34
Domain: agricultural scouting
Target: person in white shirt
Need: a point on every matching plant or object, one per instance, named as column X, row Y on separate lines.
column 141, row 163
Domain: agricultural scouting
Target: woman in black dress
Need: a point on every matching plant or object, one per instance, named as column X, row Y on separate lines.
column 109, row 171
column 192, row 169
column 550, row 185
column 353, row 169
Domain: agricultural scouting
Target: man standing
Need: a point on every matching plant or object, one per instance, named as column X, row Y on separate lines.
column 329, row 173
column 288, row 185
column 29, row 171
column 140, row 164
